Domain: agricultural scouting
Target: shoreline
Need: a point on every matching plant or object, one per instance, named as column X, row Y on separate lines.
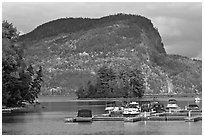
column 145, row 96
column 60, row 98
column 21, row 109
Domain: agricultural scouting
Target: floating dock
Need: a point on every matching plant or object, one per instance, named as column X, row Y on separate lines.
column 193, row 118
column 177, row 113
column 77, row 119
column 132, row 119
column 101, row 118
column 166, row 116
column 155, row 118
column 69, row 119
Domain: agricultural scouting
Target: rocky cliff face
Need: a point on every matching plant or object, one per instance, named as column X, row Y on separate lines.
column 73, row 53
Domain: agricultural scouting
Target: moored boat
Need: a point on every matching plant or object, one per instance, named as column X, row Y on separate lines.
column 172, row 106
column 197, row 99
column 111, row 108
column 84, row 115
column 132, row 109
column 157, row 108
column 193, row 107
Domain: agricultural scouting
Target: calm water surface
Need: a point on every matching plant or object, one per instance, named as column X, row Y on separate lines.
column 50, row 120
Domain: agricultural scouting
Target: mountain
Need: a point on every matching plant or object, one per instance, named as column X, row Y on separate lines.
column 71, row 50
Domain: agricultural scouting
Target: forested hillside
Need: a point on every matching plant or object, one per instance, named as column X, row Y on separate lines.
column 72, row 50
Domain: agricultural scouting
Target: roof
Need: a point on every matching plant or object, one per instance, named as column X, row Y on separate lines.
column 193, row 105
column 172, row 99
column 134, row 103
column 84, row 113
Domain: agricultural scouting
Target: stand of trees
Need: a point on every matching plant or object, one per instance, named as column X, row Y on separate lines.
column 109, row 84
column 19, row 81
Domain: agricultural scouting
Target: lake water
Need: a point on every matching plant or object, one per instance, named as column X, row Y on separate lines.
column 50, row 121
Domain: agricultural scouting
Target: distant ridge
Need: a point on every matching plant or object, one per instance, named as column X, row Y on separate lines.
column 71, row 50
column 70, row 25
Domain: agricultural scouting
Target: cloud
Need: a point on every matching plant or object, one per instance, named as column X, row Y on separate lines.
column 181, row 30
column 190, row 49
column 180, row 10
column 168, row 27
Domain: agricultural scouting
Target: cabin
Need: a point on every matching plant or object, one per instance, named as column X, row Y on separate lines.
column 84, row 113
column 193, row 107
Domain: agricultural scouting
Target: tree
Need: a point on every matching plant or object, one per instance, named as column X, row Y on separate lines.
column 10, row 63
column 125, row 83
column 136, row 82
column 91, row 89
column 132, row 82
column 105, row 77
column 33, row 84
column 9, row 31
column 81, row 92
column 19, row 82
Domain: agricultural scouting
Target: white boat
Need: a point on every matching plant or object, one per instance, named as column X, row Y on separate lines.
column 172, row 106
column 112, row 108
column 197, row 99
column 132, row 109
column 193, row 107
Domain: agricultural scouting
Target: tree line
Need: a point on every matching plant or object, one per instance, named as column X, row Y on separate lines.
column 110, row 84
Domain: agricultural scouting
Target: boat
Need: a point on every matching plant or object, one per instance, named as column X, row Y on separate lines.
column 145, row 106
column 110, row 106
column 157, row 108
column 84, row 115
column 112, row 109
column 172, row 106
column 197, row 99
column 193, row 107
column 132, row 109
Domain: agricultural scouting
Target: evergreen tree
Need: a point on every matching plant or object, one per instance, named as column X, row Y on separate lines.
column 105, row 77
column 136, row 83
column 18, row 81
column 128, row 83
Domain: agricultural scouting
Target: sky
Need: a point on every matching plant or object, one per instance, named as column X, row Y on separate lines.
column 179, row 23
